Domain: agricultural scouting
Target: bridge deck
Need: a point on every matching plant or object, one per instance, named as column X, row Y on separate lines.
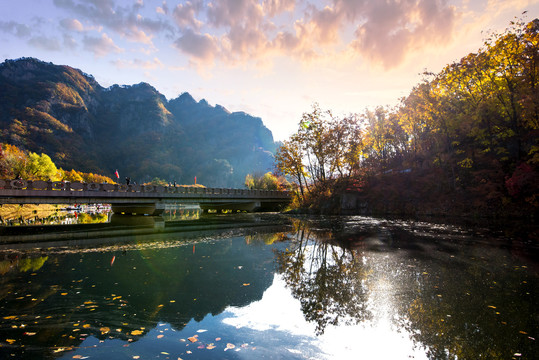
column 135, row 196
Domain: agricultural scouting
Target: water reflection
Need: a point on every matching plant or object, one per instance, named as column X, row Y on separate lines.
column 456, row 294
column 321, row 288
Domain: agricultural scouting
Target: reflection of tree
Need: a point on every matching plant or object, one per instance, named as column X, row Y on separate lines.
column 327, row 280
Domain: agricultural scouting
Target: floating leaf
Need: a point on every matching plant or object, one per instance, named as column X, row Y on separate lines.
column 246, row 284
column 63, row 294
column 160, row 336
column 201, row 331
column 136, row 332
column 193, row 338
column 218, row 339
column 104, row 330
column 492, row 306
column 230, row 346
column 29, row 333
column 86, row 326
column 210, row 346
column 11, row 341
column 136, row 357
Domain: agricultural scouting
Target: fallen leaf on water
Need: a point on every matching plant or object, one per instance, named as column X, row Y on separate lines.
column 77, row 356
column 136, row 357
column 104, row 330
column 218, row 339
column 246, row 284
column 523, row 332
column 193, row 338
column 201, row 331
column 11, row 341
column 189, row 352
column 230, row 346
column 29, row 333
column 12, row 317
column 492, row 306
column 160, row 336
column 164, row 353
column 63, row 294
column 136, row 332
column 86, row 326
column 210, row 346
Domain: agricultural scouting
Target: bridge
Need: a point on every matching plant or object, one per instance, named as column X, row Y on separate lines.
column 139, row 199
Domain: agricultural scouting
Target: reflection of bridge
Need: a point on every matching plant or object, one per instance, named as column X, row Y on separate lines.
column 138, row 199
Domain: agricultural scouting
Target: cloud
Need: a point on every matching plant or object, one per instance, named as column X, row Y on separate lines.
column 125, row 21
column 100, row 46
column 71, row 25
column 163, row 9
column 391, row 29
column 201, row 46
column 139, row 64
column 230, row 13
column 19, row 30
column 276, row 7
column 69, row 42
column 185, row 14
column 45, row 43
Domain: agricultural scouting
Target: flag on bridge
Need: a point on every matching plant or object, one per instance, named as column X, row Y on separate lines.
column 117, row 174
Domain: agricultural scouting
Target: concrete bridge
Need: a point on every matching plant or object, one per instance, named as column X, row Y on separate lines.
column 138, row 199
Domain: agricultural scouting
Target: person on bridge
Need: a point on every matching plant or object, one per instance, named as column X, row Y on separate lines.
column 127, row 180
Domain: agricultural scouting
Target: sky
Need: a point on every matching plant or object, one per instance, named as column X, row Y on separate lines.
column 272, row 59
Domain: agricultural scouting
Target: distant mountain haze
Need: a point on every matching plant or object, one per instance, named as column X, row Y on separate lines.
column 65, row 113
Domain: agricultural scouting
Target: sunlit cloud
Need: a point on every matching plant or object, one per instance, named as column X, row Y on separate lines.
column 276, row 7
column 185, row 14
column 100, row 46
column 392, row 29
column 72, row 24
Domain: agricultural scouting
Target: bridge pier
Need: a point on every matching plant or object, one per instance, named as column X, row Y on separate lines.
column 154, row 209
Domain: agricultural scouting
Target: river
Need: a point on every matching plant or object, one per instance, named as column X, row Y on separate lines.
column 292, row 288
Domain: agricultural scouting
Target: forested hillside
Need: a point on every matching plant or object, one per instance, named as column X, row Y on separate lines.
column 66, row 114
column 465, row 140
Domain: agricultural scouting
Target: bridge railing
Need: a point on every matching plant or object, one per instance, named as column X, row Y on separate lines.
column 20, row 184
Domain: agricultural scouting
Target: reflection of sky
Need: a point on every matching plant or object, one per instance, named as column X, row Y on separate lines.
column 271, row 328
column 278, row 311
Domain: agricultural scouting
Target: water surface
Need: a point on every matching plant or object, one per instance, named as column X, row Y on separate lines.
column 317, row 288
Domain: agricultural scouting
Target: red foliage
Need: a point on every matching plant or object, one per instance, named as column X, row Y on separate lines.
column 523, row 182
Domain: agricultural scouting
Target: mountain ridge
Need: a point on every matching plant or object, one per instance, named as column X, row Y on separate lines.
column 67, row 114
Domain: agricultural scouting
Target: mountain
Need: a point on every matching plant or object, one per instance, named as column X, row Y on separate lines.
column 65, row 113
